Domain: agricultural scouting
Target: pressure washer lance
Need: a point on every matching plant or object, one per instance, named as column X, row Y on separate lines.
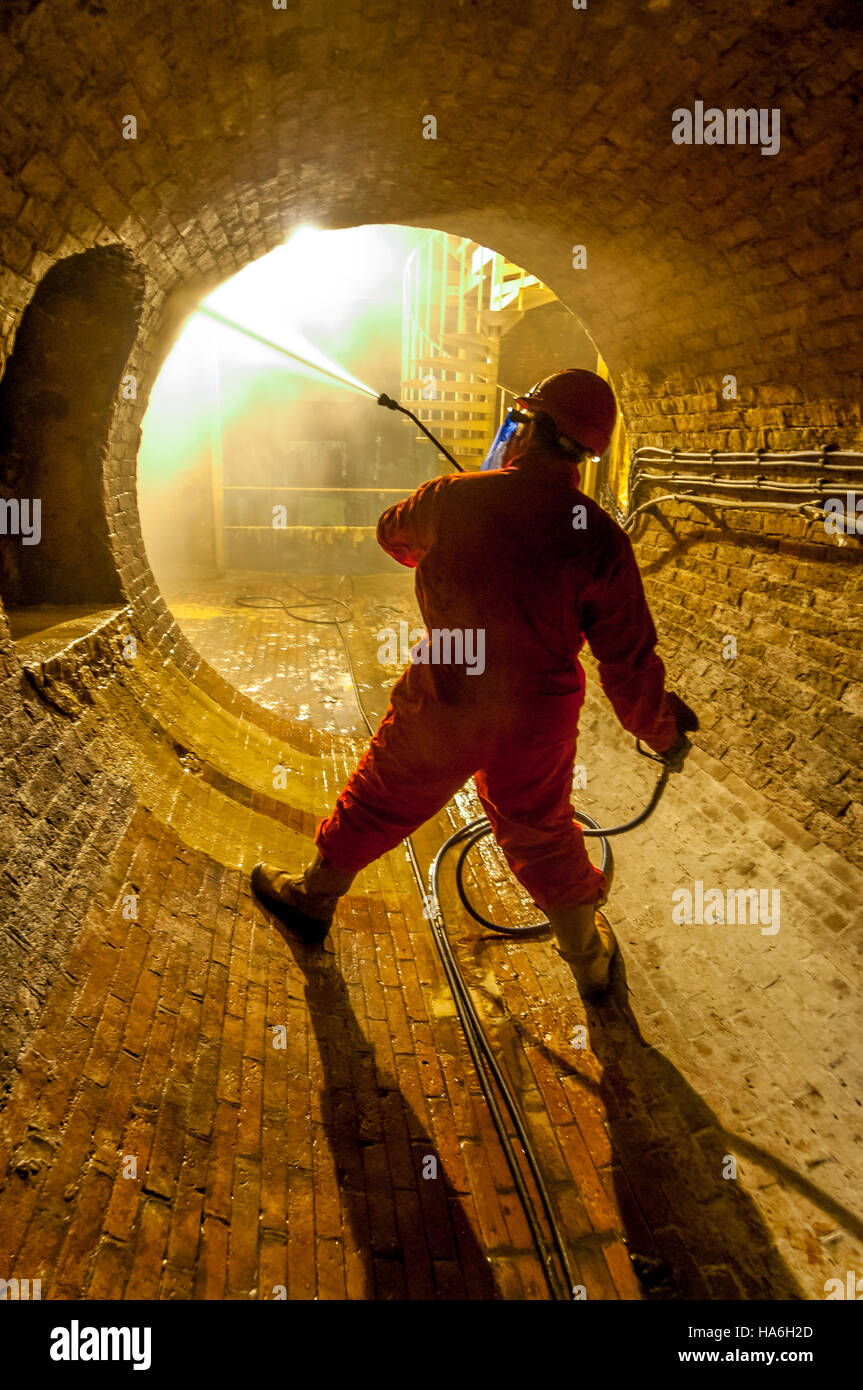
column 382, row 399
column 385, row 400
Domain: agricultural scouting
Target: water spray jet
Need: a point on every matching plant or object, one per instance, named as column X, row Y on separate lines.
column 355, row 385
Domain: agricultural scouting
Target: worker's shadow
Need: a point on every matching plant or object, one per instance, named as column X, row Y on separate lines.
column 692, row 1229
column 408, row 1229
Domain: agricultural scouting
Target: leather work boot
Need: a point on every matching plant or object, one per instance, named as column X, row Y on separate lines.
column 586, row 942
column 306, row 904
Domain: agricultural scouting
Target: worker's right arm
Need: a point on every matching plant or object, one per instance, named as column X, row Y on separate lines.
column 619, row 629
column 406, row 530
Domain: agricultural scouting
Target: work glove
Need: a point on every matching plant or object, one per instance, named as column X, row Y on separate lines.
column 687, row 722
column 675, row 756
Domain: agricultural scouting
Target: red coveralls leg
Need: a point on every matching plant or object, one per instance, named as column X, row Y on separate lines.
column 420, row 756
column 525, row 793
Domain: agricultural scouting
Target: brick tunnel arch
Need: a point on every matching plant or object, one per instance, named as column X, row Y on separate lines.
column 770, row 404
column 145, row 780
column 659, row 404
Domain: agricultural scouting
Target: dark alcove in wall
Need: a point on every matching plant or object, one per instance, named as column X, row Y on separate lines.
column 56, row 401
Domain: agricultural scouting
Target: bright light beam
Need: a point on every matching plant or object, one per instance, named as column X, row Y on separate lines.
column 276, row 347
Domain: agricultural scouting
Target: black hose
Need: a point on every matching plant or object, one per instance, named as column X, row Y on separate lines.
column 471, row 834
column 266, row 601
column 485, row 1063
column 390, row 404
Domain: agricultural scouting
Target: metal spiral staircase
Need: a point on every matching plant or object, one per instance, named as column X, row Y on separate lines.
column 459, row 299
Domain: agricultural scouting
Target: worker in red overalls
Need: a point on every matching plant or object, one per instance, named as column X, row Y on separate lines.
column 525, row 567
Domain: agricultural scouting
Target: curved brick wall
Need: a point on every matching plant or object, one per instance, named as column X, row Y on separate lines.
column 785, row 714
column 553, row 130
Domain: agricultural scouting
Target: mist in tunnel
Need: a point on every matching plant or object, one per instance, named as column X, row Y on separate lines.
column 265, row 460
column 234, row 430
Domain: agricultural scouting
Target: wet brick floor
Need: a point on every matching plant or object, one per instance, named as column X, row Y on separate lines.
column 207, row 1111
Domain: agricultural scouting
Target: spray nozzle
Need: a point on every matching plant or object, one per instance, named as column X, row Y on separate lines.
column 384, row 399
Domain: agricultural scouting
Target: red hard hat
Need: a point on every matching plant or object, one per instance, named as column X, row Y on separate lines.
column 580, row 403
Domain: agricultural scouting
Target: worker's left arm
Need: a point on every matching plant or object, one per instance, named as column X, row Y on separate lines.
column 619, row 629
column 407, row 530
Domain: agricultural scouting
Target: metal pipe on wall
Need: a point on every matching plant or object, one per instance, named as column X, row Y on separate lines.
column 848, row 461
